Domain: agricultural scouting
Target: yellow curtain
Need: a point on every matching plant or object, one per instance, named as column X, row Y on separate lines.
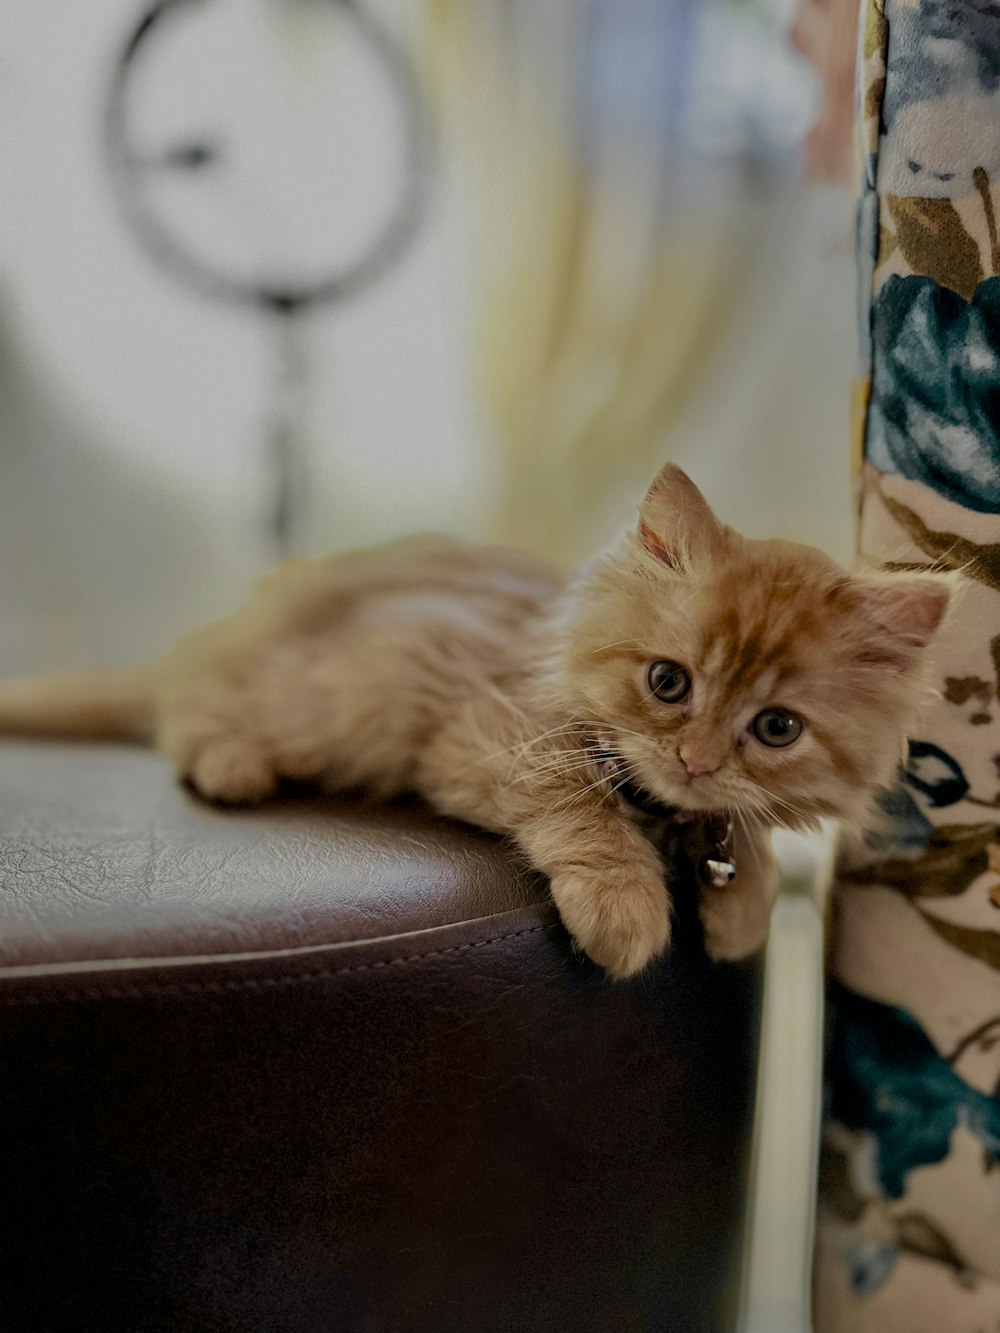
column 600, row 294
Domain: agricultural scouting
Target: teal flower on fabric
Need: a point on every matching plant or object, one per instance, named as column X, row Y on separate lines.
column 886, row 1078
column 939, row 47
column 935, row 403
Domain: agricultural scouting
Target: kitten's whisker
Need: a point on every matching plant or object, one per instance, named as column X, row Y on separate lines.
column 617, row 644
column 802, row 819
column 523, row 746
column 604, row 726
column 757, row 809
column 627, row 778
column 617, row 727
column 745, row 809
column 614, row 789
column 564, row 729
column 571, row 758
column 553, row 771
column 792, row 810
column 848, row 685
column 576, row 795
column 553, row 752
column 744, row 819
column 789, row 805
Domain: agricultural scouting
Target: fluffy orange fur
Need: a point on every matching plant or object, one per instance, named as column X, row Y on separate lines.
column 482, row 680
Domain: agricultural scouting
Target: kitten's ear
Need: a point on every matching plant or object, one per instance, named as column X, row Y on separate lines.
column 904, row 612
column 675, row 522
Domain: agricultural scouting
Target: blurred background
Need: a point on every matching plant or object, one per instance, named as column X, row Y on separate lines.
column 285, row 276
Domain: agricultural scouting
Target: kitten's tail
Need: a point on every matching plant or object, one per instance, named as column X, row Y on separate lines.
column 87, row 704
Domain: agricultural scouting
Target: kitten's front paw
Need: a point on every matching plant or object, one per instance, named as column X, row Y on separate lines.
column 735, row 920
column 621, row 922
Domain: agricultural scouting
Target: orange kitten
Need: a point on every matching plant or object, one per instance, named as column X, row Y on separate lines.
column 691, row 668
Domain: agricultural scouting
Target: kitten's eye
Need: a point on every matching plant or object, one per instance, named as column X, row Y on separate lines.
column 776, row 727
column 669, row 681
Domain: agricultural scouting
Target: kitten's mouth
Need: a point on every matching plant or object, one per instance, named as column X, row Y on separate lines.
column 616, row 771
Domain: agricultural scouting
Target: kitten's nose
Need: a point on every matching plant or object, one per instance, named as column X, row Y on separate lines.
column 696, row 767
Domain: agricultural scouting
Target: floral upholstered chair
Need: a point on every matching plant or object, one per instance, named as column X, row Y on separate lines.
column 909, row 1229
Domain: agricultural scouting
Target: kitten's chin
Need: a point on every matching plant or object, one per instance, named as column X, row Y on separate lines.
column 697, row 796
column 688, row 804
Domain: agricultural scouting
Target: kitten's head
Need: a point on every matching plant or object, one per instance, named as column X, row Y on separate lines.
column 724, row 672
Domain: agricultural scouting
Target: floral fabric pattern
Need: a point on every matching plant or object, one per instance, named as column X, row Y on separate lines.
column 888, row 1081
column 909, row 1229
column 935, row 402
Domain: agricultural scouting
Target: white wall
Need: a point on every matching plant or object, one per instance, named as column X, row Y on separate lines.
column 133, row 469
column 134, row 411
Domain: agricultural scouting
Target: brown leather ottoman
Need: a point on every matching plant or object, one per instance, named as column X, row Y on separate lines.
column 327, row 1068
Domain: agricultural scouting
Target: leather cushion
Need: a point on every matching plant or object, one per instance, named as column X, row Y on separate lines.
column 107, row 858
column 445, row 1122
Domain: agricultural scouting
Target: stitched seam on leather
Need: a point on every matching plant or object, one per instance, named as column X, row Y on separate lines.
column 103, row 964
column 250, row 983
